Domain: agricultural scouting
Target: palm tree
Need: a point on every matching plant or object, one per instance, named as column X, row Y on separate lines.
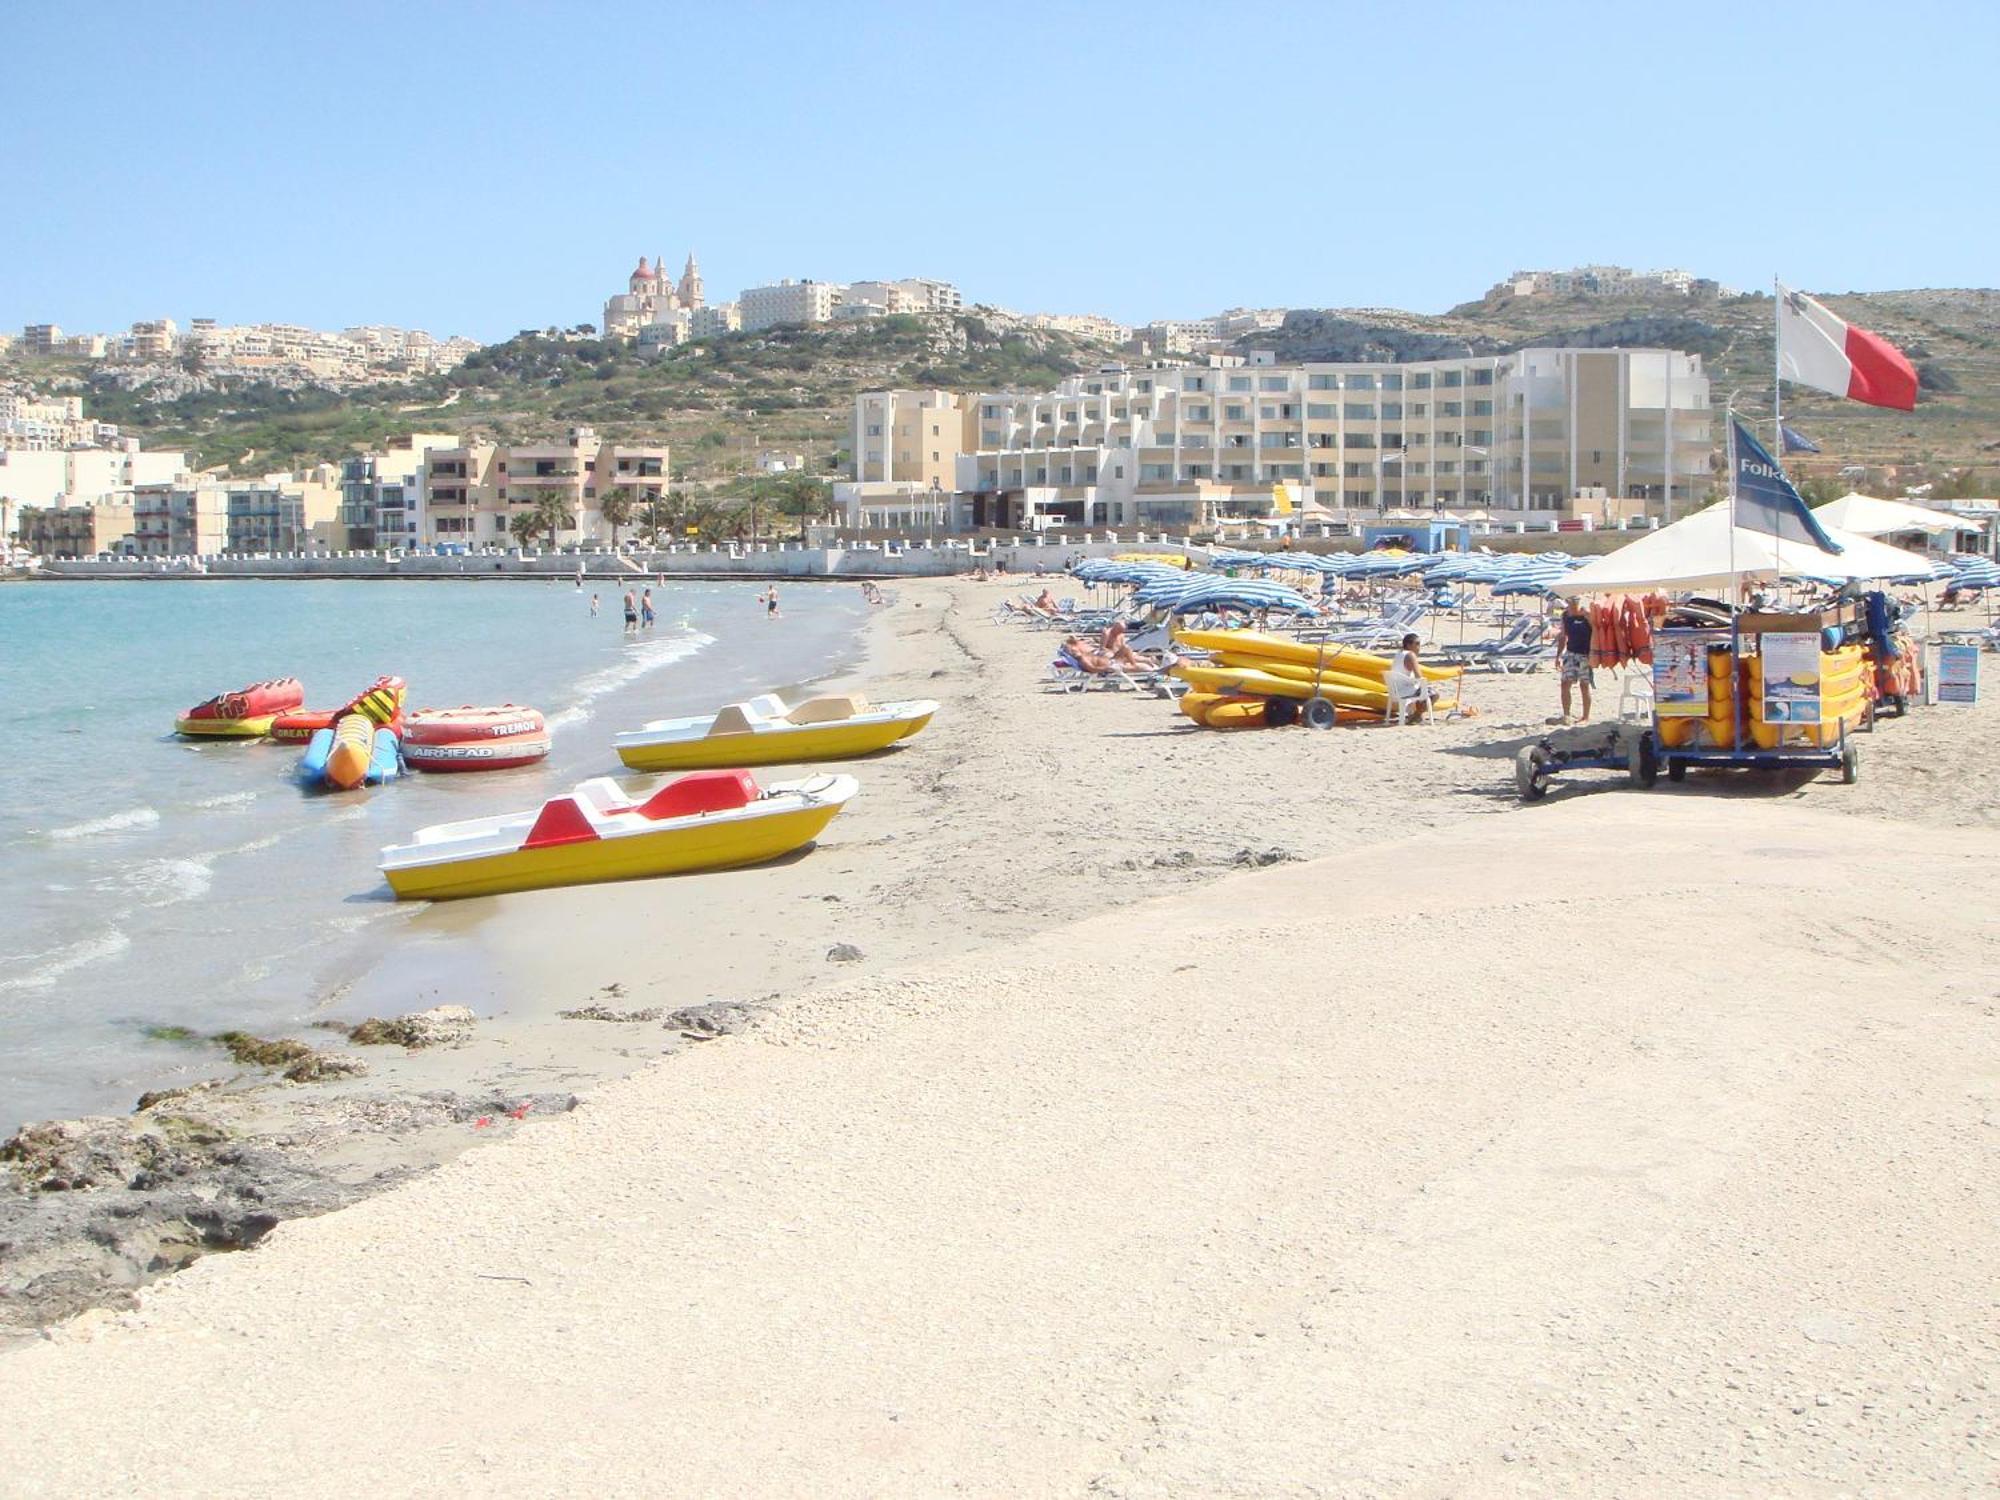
column 617, row 508
column 525, row 526
column 796, row 494
column 552, row 515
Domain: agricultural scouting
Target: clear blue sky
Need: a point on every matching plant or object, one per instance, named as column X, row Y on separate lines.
column 482, row 168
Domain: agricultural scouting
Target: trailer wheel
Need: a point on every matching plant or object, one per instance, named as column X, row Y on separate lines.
column 1850, row 764
column 1531, row 773
column 1318, row 714
column 1899, row 703
column 1677, row 769
column 1642, row 763
column 1279, row 712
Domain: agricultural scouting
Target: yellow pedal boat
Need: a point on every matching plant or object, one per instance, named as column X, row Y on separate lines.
column 763, row 732
column 712, row 820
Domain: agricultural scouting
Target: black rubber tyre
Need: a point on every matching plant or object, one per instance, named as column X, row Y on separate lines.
column 1280, row 712
column 1850, row 764
column 1318, row 713
column 1677, row 769
column 1531, row 773
column 1642, row 762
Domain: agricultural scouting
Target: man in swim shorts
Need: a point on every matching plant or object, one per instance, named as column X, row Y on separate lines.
column 1573, row 663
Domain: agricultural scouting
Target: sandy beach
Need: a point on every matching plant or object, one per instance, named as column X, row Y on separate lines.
column 1271, row 1113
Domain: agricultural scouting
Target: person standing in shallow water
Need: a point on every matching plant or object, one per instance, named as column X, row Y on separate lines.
column 593, row 606
column 645, row 609
column 771, row 603
column 631, row 611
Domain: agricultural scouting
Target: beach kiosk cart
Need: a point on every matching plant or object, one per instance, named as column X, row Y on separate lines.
column 1762, row 689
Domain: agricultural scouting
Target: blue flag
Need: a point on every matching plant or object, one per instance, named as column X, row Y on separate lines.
column 1796, row 441
column 1765, row 500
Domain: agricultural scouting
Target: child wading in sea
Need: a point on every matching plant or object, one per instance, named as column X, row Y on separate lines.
column 646, row 609
column 593, row 606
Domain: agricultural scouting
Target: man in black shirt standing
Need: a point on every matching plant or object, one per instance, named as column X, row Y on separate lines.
column 1574, row 661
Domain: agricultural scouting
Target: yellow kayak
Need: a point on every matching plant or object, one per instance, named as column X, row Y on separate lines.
column 1302, row 674
column 1250, row 680
column 713, row 820
column 225, row 729
column 1284, row 650
column 764, row 732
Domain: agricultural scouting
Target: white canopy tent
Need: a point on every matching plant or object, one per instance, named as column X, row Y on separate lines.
column 1698, row 553
column 1864, row 515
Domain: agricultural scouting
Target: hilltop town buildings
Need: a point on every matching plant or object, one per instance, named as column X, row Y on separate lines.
column 655, row 311
column 1177, row 446
column 265, row 350
column 1603, row 281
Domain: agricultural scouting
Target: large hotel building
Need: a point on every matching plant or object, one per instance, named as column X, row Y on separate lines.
column 1170, row 447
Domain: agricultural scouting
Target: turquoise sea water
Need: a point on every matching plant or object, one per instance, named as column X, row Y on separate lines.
column 151, row 882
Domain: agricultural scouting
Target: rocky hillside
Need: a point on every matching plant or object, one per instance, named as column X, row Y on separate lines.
column 792, row 388
column 715, row 401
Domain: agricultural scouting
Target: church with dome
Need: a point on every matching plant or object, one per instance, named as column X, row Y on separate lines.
column 654, row 310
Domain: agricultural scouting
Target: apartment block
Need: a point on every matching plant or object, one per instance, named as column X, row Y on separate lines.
column 80, row 476
column 915, row 294
column 382, row 494
column 283, row 512
column 707, row 322
column 788, row 302
column 151, row 340
column 472, row 491
column 73, row 531
column 180, row 520
column 912, row 437
column 1172, row 447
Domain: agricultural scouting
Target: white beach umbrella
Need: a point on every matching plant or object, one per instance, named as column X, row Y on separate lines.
column 1700, row 552
column 1864, row 515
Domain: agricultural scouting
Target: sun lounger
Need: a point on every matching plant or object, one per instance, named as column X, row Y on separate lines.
column 1070, row 674
column 1525, row 631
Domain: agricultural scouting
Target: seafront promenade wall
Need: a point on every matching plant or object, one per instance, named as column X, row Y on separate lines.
column 765, row 560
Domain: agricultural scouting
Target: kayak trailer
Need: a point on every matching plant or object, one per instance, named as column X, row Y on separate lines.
column 1636, row 753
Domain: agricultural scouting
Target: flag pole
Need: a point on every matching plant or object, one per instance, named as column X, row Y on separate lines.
column 1777, row 380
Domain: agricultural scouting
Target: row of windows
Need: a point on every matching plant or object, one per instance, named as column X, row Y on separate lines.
column 1355, row 380
column 1478, row 437
column 1269, row 411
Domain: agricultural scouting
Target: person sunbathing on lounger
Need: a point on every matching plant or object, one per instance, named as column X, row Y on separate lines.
column 1118, row 649
column 1093, row 658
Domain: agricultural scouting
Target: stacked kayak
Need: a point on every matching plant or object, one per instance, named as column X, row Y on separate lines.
column 711, row 820
column 764, row 732
column 1247, row 669
column 475, row 739
column 245, row 714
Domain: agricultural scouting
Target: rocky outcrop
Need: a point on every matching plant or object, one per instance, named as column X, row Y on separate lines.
column 92, row 1209
column 440, row 1026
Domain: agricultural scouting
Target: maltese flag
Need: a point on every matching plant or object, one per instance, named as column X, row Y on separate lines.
column 1816, row 348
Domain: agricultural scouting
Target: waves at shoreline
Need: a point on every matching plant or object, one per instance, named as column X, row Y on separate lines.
column 120, row 822
column 642, row 658
column 60, row 961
